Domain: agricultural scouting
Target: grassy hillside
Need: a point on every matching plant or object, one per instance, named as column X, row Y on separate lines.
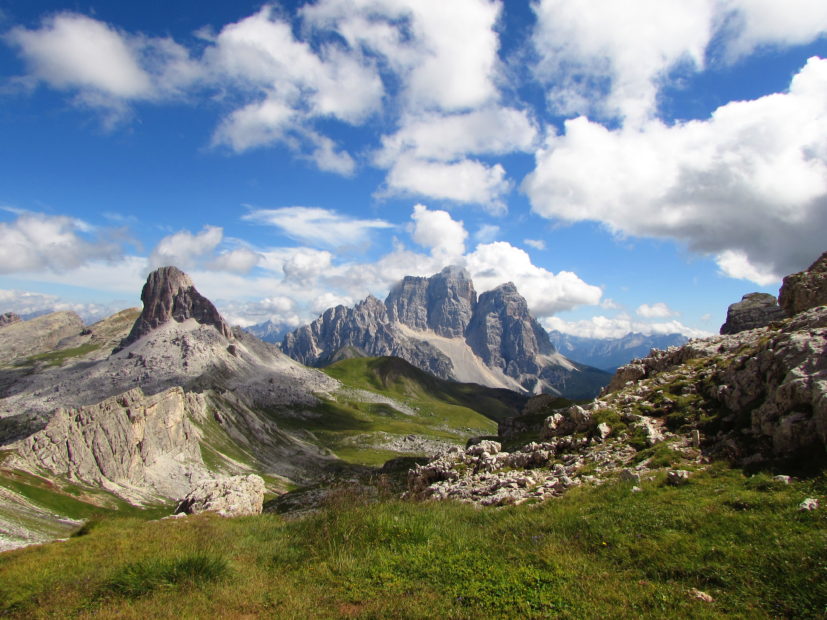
column 386, row 400
column 397, row 378
column 597, row 552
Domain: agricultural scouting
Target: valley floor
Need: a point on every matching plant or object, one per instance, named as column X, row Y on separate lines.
column 596, row 552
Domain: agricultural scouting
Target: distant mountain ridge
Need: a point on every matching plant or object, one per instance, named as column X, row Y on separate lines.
column 611, row 353
column 439, row 324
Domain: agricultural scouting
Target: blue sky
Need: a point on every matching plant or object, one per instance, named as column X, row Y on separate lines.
column 630, row 166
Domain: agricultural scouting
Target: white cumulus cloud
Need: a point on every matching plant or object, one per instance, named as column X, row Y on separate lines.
column 439, row 232
column 657, row 310
column 747, row 186
column 184, row 249
column 619, row 326
column 57, row 243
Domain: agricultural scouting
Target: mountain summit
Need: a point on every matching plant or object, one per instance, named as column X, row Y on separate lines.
column 440, row 325
column 169, row 294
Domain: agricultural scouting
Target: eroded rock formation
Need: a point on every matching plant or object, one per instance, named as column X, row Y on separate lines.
column 753, row 311
column 169, row 295
column 804, row 290
column 236, row 496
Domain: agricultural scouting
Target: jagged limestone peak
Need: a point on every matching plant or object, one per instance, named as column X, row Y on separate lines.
column 169, row 294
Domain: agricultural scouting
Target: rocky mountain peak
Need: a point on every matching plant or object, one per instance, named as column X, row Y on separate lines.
column 169, row 294
column 442, row 303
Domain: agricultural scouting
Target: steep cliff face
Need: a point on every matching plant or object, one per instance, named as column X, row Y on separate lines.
column 169, row 295
column 505, row 335
column 440, row 326
column 806, row 289
column 131, row 444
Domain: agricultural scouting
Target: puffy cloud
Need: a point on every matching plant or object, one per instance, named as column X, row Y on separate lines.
column 36, row 241
column 748, row 185
column 537, row 244
column 441, row 137
column 439, row 232
column 240, row 260
column 546, row 293
column 619, row 48
column 446, row 52
column 466, row 181
column 611, row 58
column 658, row 310
column 184, row 249
column 617, row 327
column 74, row 51
column 316, row 226
column 752, row 23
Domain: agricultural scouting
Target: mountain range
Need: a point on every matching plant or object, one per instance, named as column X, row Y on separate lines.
column 611, row 353
column 440, row 325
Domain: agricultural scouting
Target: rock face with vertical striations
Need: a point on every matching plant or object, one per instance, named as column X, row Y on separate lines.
column 22, row 339
column 753, row 311
column 439, row 325
column 131, row 444
column 169, row 295
column 806, row 289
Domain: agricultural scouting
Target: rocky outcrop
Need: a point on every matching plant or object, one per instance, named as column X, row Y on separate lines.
column 237, row 496
column 23, row 339
column 804, row 290
column 769, row 386
column 132, row 444
column 753, row 311
column 7, row 318
column 505, row 335
column 440, row 326
column 169, row 295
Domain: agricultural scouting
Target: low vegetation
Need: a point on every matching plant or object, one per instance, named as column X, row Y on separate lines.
column 596, row 552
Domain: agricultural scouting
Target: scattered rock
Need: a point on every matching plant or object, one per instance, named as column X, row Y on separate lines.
column 630, row 475
column 753, row 311
column 701, row 596
column 677, row 477
column 808, row 504
column 237, row 496
column 782, row 478
column 636, row 490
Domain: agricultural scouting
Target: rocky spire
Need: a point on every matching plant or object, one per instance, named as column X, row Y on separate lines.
column 169, row 294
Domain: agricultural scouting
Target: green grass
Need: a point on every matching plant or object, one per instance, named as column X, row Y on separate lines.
column 597, row 552
column 57, row 358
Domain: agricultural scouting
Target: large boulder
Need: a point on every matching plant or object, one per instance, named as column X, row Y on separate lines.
column 753, row 311
column 236, row 496
column 806, row 289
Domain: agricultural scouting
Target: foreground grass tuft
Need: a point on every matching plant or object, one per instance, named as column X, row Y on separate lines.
column 140, row 578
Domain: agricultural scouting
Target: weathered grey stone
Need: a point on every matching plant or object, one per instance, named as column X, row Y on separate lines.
column 131, row 444
column 753, row 311
column 782, row 479
column 806, row 289
column 237, row 496
column 677, row 477
column 168, row 295
column 630, row 475
column 7, row 318
column 811, row 503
